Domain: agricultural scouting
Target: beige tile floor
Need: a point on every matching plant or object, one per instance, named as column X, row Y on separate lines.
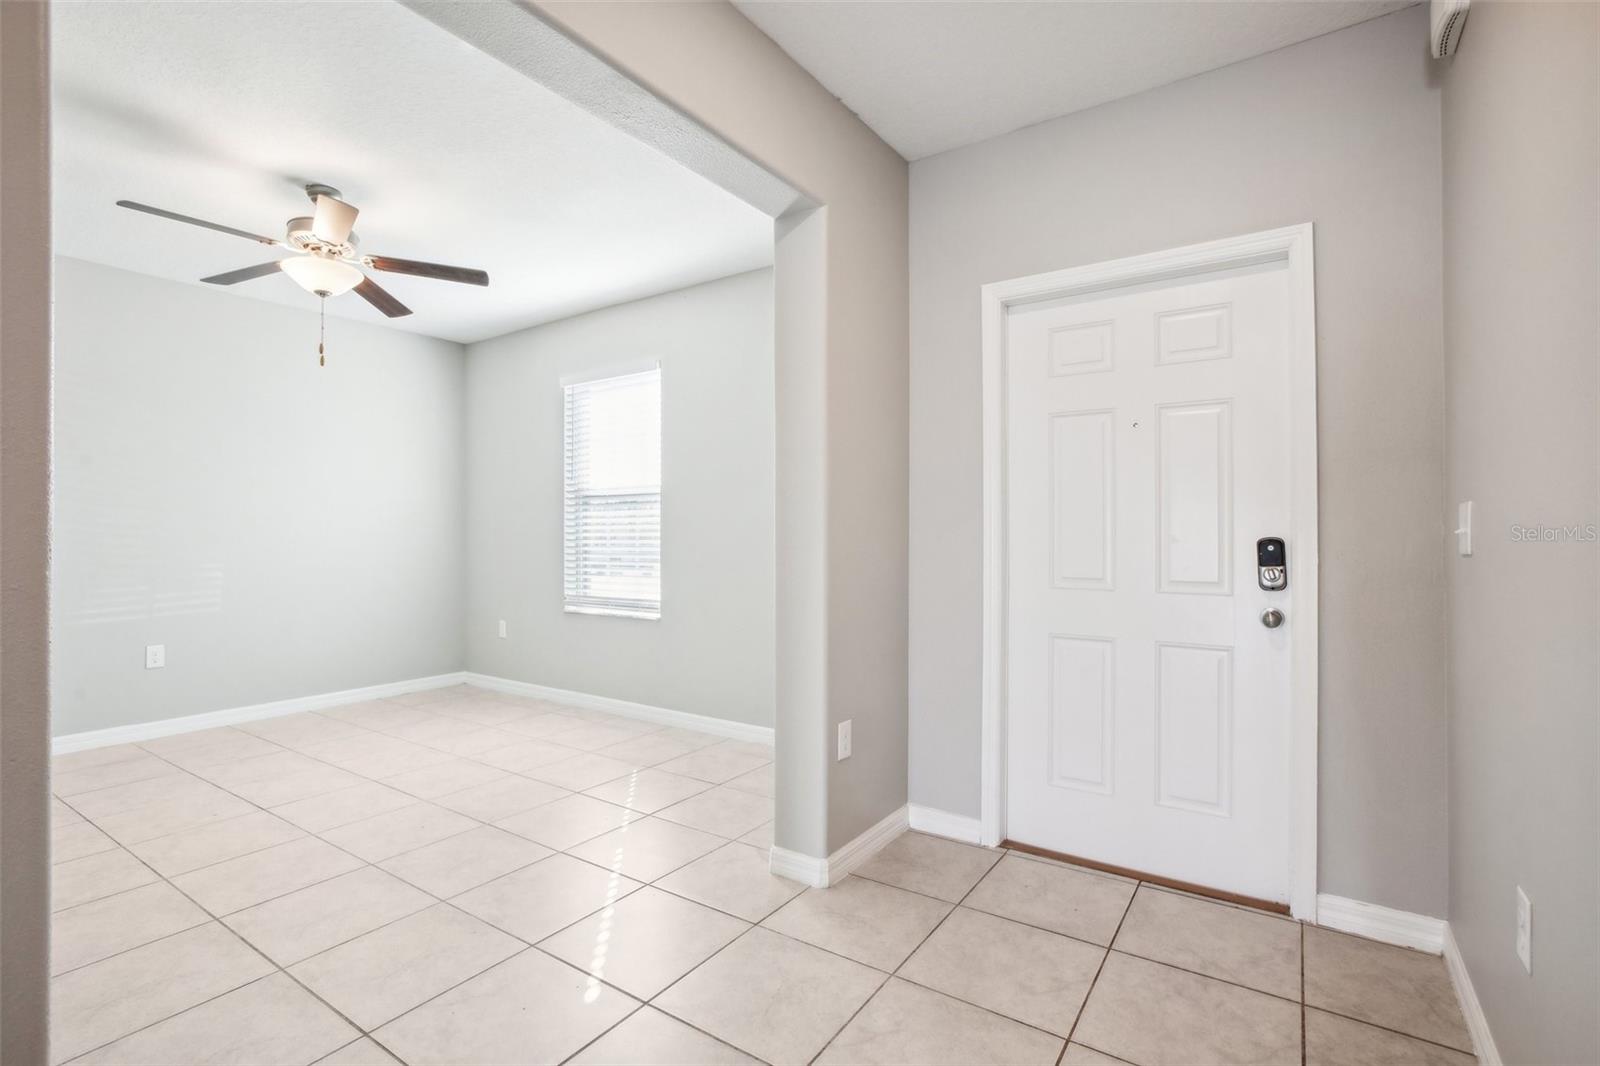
column 461, row 877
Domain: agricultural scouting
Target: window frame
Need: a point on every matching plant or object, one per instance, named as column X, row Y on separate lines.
column 572, row 573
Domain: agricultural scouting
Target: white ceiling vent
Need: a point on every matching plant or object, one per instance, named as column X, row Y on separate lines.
column 1446, row 20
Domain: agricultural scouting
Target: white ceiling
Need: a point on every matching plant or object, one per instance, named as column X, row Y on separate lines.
column 224, row 110
column 931, row 75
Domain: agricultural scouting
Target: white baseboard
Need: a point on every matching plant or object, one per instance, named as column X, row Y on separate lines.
column 945, row 824
column 1381, row 923
column 865, row 846
column 820, row 873
column 1471, row 1009
column 721, row 727
column 166, row 727
column 798, row 867
column 1418, row 931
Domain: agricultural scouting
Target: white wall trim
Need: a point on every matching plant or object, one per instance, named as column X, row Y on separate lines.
column 866, row 845
column 1381, row 923
column 945, row 824
column 821, row 873
column 1423, row 933
column 805, row 869
column 721, row 727
column 1471, row 1009
column 1292, row 246
column 166, row 727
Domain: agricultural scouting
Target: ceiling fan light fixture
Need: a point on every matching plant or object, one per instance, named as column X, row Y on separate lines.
column 323, row 248
column 324, row 277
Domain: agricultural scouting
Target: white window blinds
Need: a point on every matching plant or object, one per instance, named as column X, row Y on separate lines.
column 612, row 551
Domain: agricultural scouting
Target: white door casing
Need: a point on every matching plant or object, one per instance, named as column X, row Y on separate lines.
column 1146, row 420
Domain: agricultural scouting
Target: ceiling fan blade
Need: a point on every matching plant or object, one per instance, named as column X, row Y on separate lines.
column 147, row 209
column 233, row 277
column 334, row 219
column 379, row 297
column 464, row 275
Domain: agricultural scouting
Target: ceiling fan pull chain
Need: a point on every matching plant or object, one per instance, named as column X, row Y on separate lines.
column 322, row 330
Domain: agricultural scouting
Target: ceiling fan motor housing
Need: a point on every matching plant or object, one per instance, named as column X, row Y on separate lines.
column 301, row 239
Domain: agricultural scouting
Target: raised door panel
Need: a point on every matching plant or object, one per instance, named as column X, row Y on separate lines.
column 1082, row 510
column 1082, row 713
column 1194, row 734
column 1194, row 496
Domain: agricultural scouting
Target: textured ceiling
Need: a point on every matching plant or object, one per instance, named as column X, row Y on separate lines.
column 223, row 110
column 931, row 75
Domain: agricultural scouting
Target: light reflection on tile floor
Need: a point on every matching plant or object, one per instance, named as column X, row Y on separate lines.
column 460, row 876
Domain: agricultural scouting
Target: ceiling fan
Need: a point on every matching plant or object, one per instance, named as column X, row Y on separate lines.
column 325, row 260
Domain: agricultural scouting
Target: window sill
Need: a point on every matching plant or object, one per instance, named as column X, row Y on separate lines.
column 613, row 612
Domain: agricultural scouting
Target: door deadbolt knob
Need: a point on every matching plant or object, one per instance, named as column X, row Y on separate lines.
column 1272, row 618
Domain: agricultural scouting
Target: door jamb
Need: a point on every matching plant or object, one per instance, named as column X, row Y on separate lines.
column 1291, row 245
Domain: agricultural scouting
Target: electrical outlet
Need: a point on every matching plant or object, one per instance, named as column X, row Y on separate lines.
column 844, row 740
column 155, row 656
column 502, row 629
column 1524, row 930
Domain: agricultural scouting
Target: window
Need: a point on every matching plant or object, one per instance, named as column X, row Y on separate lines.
column 612, row 550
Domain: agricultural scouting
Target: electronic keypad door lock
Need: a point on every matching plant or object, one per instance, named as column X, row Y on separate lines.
column 1272, row 564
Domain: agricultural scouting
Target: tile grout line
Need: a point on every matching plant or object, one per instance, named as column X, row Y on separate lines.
column 161, row 878
column 1098, row 970
column 937, row 925
column 705, row 962
column 1388, row 1029
column 521, row 738
column 1104, row 949
column 649, row 1003
column 692, row 969
column 233, row 933
column 1196, row 973
column 481, row 823
column 992, row 914
column 711, row 906
column 447, row 900
column 367, row 864
column 897, row 975
column 602, row 1034
column 269, row 960
column 1301, row 926
column 1301, row 1002
column 279, row 968
column 371, row 1034
column 158, row 1021
column 1107, row 950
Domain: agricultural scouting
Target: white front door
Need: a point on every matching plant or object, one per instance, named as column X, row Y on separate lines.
column 1147, row 449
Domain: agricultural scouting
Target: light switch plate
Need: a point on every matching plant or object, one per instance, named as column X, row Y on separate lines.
column 502, row 629
column 155, row 656
column 1464, row 528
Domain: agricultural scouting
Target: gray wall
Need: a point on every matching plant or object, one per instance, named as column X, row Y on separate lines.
column 842, row 366
column 1521, row 240
column 712, row 652
column 284, row 529
column 1343, row 132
